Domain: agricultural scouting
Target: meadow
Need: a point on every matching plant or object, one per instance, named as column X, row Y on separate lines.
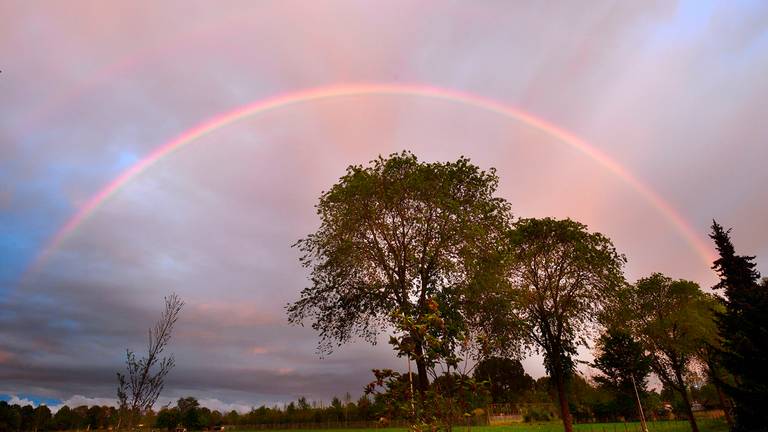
column 705, row 425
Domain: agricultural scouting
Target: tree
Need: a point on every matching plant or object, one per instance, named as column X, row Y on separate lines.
column 561, row 277
column 168, row 419
column 450, row 398
column 64, row 419
column 624, row 366
column 186, row 404
column 95, row 417
column 393, row 236
column 10, row 417
column 189, row 413
column 140, row 387
column 364, row 408
column 716, row 375
column 42, row 418
column 743, row 329
column 232, row 418
column 302, row 404
column 27, row 418
column 508, row 382
column 216, row 418
column 452, row 393
column 673, row 320
column 80, row 416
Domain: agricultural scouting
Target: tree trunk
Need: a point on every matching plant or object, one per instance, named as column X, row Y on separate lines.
column 421, row 368
column 726, row 406
column 683, row 390
column 565, row 411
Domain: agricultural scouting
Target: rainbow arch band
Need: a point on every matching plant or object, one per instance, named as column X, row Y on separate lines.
column 336, row 91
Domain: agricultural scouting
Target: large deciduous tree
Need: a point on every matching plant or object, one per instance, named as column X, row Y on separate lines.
column 673, row 320
column 560, row 280
column 743, row 330
column 398, row 236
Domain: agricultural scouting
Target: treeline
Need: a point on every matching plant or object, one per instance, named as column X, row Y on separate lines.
column 189, row 414
column 511, row 390
column 28, row 418
column 186, row 413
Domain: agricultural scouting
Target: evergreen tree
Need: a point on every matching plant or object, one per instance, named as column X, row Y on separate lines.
column 743, row 328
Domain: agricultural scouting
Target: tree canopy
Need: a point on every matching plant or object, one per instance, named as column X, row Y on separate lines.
column 561, row 276
column 673, row 320
column 399, row 235
column 624, row 366
column 508, row 382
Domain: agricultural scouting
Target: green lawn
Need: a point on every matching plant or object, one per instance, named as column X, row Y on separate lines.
column 705, row 425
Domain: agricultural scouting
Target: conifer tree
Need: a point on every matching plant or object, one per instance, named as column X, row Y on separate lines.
column 743, row 328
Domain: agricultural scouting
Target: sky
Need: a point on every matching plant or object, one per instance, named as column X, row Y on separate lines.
column 674, row 93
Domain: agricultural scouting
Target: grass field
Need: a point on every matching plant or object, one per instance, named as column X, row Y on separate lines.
column 705, row 425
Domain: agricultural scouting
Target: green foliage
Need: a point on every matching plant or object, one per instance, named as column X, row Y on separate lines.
column 393, row 235
column 40, row 418
column 65, row 419
column 743, row 328
column 538, row 414
column 429, row 338
column 10, row 417
column 673, row 320
column 168, row 419
column 190, row 415
column 452, row 396
column 507, row 380
column 621, row 358
column 450, row 399
column 562, row 277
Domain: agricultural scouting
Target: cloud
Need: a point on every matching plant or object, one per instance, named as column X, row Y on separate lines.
column 79, row 400
column 241, row 407
column 15, row 400
column 677, row 96
column 210, row 403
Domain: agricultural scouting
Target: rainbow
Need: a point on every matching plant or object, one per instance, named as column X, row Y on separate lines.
column 337, row 91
